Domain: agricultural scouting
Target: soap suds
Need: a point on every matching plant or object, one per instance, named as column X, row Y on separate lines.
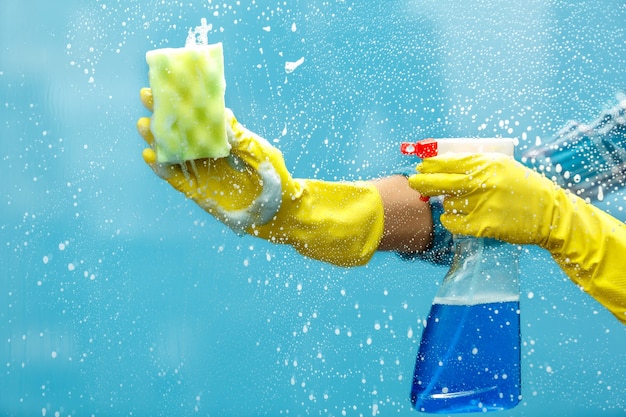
column 260, row 211
column 199, row 35
column 291, row 66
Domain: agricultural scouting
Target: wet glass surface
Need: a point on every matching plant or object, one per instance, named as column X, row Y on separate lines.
column 120, row 297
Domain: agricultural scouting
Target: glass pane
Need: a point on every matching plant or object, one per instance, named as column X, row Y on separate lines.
column 119, row 296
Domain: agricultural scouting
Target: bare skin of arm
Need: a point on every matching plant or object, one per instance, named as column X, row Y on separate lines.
column 408, row 221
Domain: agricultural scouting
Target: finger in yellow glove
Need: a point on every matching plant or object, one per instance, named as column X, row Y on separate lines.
column 252, row 191
column 492, row 195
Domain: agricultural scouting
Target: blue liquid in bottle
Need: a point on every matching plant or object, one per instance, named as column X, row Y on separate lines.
column 469, row 355
column 462, row 365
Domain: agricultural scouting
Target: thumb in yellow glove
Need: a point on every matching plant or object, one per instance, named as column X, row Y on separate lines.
column 491, row 195
column 252, row 191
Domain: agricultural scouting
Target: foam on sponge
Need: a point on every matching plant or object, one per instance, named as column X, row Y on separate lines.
column 189, row 117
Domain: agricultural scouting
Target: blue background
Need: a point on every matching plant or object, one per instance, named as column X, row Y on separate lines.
column 119, row 297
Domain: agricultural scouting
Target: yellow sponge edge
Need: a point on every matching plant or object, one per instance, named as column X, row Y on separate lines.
column 189, row 117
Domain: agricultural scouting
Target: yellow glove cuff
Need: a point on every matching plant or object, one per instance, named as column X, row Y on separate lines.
column 589, row 245
column 339, row 223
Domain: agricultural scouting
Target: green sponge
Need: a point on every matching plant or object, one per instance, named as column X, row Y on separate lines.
column 188, row 121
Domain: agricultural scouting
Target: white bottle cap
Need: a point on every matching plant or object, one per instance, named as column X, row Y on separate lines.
column 431, row 147
column 504, row 146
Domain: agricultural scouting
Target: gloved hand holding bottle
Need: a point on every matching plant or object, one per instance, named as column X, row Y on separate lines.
column 252, row 191
column 494, row 196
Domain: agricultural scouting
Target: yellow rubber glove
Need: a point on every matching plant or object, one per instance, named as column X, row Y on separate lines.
column 252, row 191
column 494, row 196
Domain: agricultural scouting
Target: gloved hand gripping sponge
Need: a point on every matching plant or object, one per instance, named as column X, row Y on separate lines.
column 188, row 86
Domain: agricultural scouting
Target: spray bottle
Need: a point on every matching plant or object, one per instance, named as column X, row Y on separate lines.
column 469, row 355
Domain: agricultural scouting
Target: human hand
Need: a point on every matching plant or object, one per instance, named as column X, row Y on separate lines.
column 490, row 195
column 242, row 190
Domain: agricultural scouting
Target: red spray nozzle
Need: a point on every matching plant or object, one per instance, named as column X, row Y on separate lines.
column 422, row 149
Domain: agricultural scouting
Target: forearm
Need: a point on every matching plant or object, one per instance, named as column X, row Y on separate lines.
column 408, row 221
column 350, row 221
column 591, row 252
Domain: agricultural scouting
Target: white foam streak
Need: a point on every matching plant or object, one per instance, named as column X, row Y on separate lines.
column 199, row 36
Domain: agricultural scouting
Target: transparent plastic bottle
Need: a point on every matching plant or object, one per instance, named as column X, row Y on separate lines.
column 469, row 355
